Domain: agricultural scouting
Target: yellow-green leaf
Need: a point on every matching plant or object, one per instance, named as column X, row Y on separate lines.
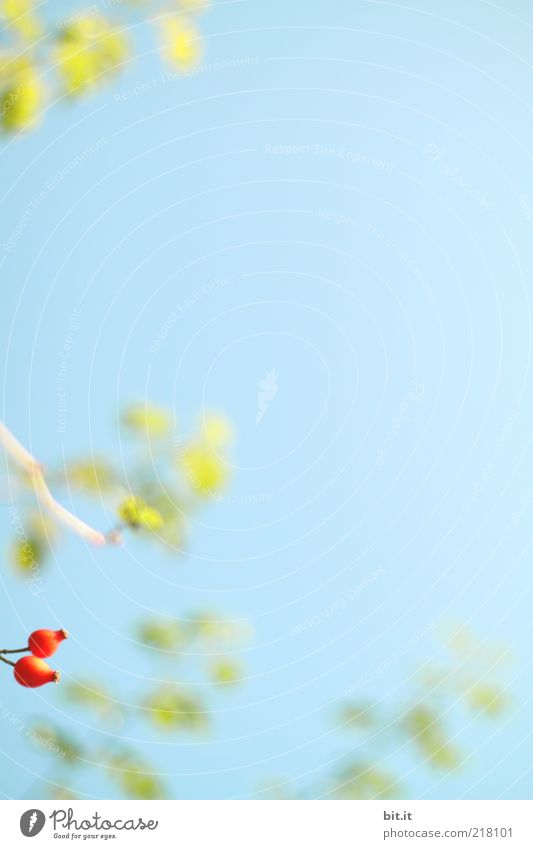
column 87, row 51
column 55, row 742
column 205, row 471
column 165, row 634
column 136, row 513
column 217, row 431
column 134, row 776
column 361, row 781
column 90, row 695
column 147, row 420
column 358, row 715
column 225, row 671
column 172, row 708
column 22, row 18
column 21, row 93
column 182, row 41
column 208, row 627
column 487, row 698
column 94, row 476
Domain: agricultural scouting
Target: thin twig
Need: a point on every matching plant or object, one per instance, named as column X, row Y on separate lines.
column 14, row 651
column 35, row 469
column 5, row 660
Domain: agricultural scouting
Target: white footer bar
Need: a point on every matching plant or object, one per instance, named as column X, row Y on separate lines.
column 269, row 825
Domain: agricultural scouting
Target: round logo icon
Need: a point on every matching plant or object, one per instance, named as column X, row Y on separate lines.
column 32, row 822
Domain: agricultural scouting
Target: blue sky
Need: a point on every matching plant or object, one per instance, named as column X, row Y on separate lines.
column 339, row 196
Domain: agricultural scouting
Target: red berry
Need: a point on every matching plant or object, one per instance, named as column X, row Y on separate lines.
column 31, row 671
column 44, row 643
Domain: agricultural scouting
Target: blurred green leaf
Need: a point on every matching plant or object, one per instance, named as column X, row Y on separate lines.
column 192, row 6
column 134, row 777
column 361, row 781
column 30, row 550
column 172, row 708
column 94, row 476
column 208, row 627
column 21, row 93
column 159, row 633
column 225, row 671
column 147, row 420
column 205, row 471
column 487, row 698
column 181, row 41
column 29, row 554
column 217, row 431
column 137, row 514
column 55, row 741
column 93, row 697
column 21, row 18
column 358, row 715
column 87, row 51
column 424, row 727
column 167, row 504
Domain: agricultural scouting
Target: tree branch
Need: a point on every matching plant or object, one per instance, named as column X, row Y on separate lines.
column 14, row 651
column 26, row 461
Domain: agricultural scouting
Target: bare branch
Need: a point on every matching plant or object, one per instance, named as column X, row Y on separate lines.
column 26, row 461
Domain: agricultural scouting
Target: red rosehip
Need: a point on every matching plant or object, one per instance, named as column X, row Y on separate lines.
column 44, row 643
column 31, row 671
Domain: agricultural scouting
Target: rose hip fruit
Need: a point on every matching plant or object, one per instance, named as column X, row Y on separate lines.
column 44, row 643
column 31, row 671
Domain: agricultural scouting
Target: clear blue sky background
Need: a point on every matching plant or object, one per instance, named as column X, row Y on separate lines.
column 353, row 173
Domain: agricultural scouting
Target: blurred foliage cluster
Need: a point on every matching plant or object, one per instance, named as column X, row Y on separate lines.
column 43, row 60
column 420, row 727
column 165, row 483
column 172, row 706
column 160, row 482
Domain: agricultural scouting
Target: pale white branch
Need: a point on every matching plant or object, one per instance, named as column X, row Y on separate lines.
column 29, row 464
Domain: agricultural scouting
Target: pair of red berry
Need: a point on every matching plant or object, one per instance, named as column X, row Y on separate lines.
column 32, row 670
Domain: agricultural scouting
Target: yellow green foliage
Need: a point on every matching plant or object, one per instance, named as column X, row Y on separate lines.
column 217, row 431
column 225, row 671
column 423, row 725
column 182, row 41
column 93, row 697
column 55, row 742
column 167, row 504
column 31, row 547
column 28, row 554
column 87, row 51
column 21, row 93
column 147, row 420
column 95, row 476
column 358, row 715
column 135, row 513
column 207, row 627
column 194, row 5
column 360, row 781
column 486, row 698
column 165, row 634
column 133, row 776
column 172, row 708
column 184, row 635
column 206, row 472
column 21, row 17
